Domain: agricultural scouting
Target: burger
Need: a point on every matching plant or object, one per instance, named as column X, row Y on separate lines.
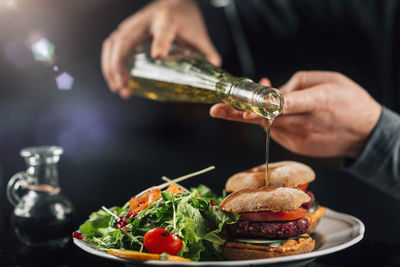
column 283, row 173
column 272, row 223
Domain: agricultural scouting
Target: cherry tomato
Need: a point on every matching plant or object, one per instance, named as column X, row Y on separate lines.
column 268, row 216
column 303, row 187
column 159, row 240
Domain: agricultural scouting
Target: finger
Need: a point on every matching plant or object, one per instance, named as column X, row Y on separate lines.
column 223, row 111
column 164, row 32
column 304, row 79
column 120, row 52
column 285, row 138
column 105, row 61
column 199, row 39
column 125, row 93
column 203, row 44
column 123, row 42
column 265, row 82
column 290, row 121
column 303, row 101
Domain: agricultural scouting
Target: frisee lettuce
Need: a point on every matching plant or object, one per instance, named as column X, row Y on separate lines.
column 188, row 215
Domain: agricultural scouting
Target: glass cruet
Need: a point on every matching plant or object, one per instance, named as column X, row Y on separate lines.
column 42, row 215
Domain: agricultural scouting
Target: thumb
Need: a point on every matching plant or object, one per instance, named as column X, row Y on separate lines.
column 304, row 79
column 303, row 101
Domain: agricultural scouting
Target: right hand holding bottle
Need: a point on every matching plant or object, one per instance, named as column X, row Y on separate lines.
column 325, row 115
column 165, row 21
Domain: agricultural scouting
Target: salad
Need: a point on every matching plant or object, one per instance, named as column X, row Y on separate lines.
column 176, row 222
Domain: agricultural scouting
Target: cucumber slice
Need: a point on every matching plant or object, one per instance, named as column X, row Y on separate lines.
column 313, row 208
column 267, row 243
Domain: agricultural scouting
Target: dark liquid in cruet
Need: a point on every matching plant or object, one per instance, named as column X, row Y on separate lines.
column 43, row 231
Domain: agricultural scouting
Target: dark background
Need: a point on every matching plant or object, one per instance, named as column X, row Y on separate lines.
column 115, row 148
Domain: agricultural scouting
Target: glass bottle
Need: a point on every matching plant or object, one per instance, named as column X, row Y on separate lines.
column 185, row 76
column 42, row 215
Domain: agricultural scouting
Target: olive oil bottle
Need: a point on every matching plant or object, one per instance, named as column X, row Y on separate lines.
column 185, row 76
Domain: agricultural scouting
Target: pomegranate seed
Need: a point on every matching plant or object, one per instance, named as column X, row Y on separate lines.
column 131, row 214
column 77, row 235
column 121, row 225
column 140, row 203
column 121, row 222
column 212, row 203
column 125, row 229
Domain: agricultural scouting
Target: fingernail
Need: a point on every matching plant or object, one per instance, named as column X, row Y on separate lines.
column 218, row 113
column 216, row 61
column 125, row 93
column 249, row 115
column 158, row 52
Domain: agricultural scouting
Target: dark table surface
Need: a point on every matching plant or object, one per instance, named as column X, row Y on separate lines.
column 365, row 253
column 380, row 246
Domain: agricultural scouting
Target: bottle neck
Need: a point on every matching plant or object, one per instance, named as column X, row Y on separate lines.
column 43, row 174
column 244, row 94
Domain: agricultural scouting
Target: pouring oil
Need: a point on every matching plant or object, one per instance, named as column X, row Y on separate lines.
column 268, row 132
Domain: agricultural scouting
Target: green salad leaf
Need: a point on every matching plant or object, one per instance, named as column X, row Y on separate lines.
column 97, row 220
column 192, row 216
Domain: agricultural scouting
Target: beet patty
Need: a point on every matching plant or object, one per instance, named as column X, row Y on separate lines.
column 268, row 230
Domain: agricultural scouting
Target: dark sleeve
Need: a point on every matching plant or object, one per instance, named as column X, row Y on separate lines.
column 288, row 18
column 379, row 163
column 217, row 27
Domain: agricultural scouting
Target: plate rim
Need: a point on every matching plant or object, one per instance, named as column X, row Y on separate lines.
column 89, row 248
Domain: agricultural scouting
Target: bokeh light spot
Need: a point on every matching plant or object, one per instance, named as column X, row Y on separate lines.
column 64, row 81
column 55, row 68
column 43, row 50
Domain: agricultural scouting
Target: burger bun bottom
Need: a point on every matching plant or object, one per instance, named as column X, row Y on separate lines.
column 238, row 251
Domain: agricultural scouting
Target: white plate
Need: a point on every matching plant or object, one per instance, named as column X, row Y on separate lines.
column 335, row 232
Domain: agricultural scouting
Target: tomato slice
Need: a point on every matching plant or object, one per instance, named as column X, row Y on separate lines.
column 159, row 240
column 303, row 187
column 268, row 216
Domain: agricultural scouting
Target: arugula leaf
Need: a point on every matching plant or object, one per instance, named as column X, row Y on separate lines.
column 206, row 193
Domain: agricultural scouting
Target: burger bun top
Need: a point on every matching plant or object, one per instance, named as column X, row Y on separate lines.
column 264, row 199
column 283, row 173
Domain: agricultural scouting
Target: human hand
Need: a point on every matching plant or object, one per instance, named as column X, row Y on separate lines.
column 165, row 21
column 325, row 115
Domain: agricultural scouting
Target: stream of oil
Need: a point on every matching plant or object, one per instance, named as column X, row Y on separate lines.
column 268, row 131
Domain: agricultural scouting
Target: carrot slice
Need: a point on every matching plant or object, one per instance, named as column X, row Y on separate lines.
column 140, row 203
column 174, row 189
column 142, row 256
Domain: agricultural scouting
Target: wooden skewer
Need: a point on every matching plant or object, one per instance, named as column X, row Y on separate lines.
column 165, row 178
column 177, row 180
